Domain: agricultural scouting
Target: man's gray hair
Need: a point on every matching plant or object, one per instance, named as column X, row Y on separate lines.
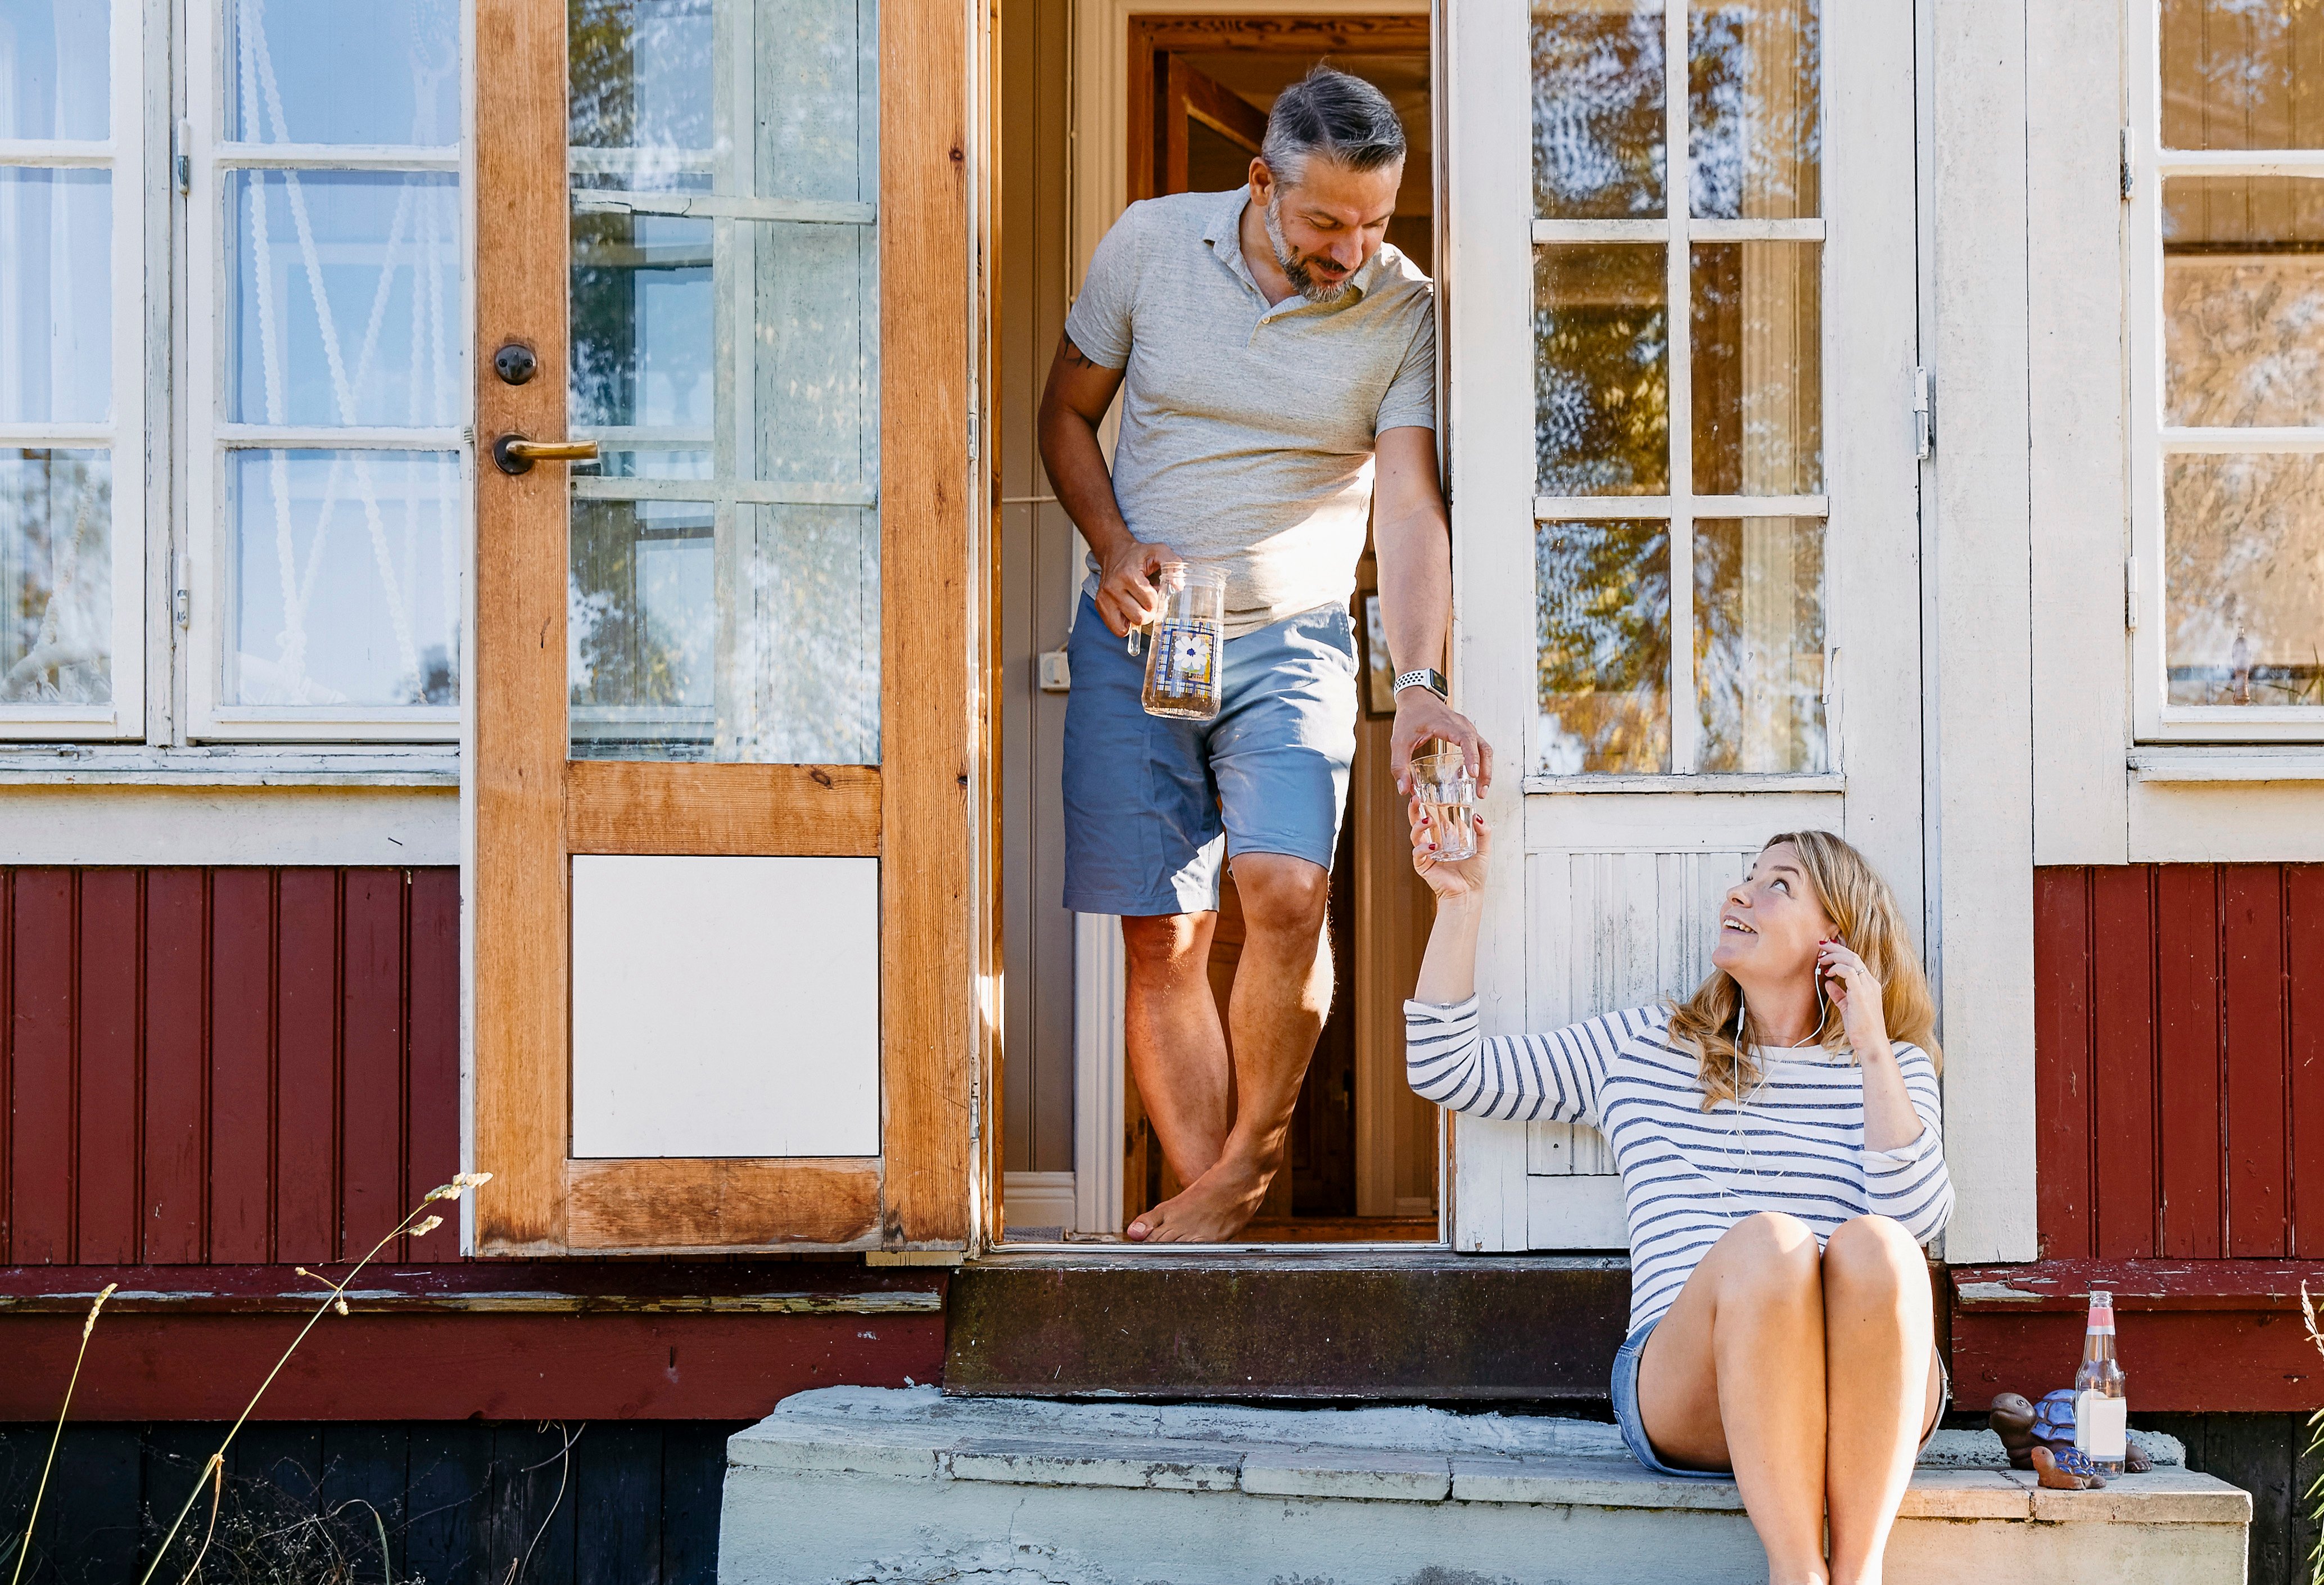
column 1327, row 112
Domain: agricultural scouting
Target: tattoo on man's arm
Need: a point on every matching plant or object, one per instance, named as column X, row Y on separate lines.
column 1074, row 355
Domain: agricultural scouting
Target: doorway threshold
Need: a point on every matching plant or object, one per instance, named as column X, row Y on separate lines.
column 1321, row 1324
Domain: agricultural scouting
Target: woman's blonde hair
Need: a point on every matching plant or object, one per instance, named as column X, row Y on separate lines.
column 1858, row 902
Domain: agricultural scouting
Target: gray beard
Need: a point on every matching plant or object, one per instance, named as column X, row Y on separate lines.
column 1302, row 281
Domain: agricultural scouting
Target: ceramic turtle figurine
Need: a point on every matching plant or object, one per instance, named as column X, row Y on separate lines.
column 2024, row 1426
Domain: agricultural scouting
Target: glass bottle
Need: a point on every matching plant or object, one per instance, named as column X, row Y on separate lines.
column 2101, row 1404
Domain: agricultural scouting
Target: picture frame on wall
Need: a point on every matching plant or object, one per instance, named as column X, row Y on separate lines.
column 1378, row 665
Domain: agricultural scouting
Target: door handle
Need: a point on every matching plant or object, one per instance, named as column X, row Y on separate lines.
column 516, row 455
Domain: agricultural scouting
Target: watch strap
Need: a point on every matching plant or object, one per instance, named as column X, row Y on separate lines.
column 1428, row 677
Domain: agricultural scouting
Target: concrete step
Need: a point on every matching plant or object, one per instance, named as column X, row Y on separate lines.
column 860, row 1484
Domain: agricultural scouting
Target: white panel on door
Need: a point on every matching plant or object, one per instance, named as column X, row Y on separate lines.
column 725, row 1006
column 1622, row 906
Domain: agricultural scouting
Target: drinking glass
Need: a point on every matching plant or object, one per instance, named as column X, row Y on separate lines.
column 1447, row 791
column 1185, row 643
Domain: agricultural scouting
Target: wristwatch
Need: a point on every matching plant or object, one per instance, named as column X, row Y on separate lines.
column 1431, row 679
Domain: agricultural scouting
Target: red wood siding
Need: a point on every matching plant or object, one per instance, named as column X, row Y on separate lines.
column 245, row 1066
column 2179, row 1051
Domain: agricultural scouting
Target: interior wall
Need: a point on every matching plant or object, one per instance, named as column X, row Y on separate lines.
column 1037, row 594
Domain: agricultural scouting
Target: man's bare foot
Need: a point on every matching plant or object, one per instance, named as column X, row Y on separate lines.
column 1210, row 1210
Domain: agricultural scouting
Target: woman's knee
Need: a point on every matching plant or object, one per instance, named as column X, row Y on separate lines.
column 1875, row 1255
column 1770, row 1251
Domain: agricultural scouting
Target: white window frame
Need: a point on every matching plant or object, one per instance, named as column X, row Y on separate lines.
column 1676, row 230
column 210, row 437
column 123, row 153
column 2147, row 164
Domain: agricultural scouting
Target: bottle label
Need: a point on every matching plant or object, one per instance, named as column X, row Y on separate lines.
column 2101, row 1424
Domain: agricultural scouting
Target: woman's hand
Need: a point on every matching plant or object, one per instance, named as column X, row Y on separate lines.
column 1856, row 994
column 1451, row 880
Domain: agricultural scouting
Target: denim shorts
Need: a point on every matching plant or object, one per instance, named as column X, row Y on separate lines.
column 1153, row 803
column 1633, row 1423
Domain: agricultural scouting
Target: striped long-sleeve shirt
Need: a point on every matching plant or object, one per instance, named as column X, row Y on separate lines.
column 1795, row 1144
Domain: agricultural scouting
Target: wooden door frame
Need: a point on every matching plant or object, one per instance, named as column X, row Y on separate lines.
column 1154, row 38
column 531, row 807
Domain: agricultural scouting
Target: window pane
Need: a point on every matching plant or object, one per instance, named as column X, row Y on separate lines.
column 1757, row 352
column 641, row 93
column 56, row 575
column 643, row 326
column 344, row 71
column 1602, row 607
column 1758, row 643
column 56, row 296
column 728, row 627
column 1755, row 131
column 344, row 577
column 1601, row 370
column 343, row 298
column 1598, row 109
column 2243, row 74
column 2243, row 579
column 2243, row 301
column 55, row 56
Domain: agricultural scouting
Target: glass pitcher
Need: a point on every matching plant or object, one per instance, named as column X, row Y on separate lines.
column 1186, row 644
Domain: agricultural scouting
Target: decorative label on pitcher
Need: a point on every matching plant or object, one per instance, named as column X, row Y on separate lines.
column 1188, row 657
column 2101, row 1424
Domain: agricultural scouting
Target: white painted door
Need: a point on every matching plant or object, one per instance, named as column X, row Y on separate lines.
column 1680, row 267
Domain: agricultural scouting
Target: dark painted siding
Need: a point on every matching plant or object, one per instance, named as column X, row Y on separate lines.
column 237, row 1065
column 2179, row 1051
column 463, row 1503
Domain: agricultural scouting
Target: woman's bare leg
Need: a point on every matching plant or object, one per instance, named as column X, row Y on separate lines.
column 1733, row 1378
column 1882, row 1386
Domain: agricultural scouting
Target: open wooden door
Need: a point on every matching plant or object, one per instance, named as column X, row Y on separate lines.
column 725, row 706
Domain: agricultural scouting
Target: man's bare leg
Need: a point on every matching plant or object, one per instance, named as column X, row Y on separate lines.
column 1282, row 989
column 1177, row 1051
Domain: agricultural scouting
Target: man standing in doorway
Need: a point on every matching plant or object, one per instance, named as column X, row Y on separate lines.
column 1275, row 360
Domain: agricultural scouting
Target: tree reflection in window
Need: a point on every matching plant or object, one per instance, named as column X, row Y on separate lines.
column 1602, row 630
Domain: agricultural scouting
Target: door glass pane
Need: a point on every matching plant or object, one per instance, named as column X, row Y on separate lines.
column 342, row 578
column 2243, row 74
column 56, row 296
column 1602, row 614
column 2243, row 301
column 641, row 105
column 724, row 574
column 55, row 56
column 343, row 71
column 343, row 298
column 2244, row 579
column 1758, row 363
column 643, row 326
column 55, row 575
column 1599, row 148
column 1758, row 643
column 1601, row 370
column 1755, row 131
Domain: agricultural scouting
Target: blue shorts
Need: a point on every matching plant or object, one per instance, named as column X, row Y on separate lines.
column 1152, row 802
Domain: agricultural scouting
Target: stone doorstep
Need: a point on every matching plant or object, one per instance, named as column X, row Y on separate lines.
column 922, row 1438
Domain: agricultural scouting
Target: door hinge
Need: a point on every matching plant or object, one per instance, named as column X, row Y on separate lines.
column 182, row 607
column 973, row 436
column 2128, row 171
column 2130, row 593
column 181, row 156
column 1924, row 415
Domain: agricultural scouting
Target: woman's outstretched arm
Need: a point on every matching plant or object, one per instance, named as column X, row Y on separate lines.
column 1545, row 1077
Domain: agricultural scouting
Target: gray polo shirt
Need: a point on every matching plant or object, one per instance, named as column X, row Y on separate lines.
column 1247, row 432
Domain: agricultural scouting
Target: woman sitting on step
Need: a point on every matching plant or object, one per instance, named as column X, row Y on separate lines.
column 1779, row 1143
